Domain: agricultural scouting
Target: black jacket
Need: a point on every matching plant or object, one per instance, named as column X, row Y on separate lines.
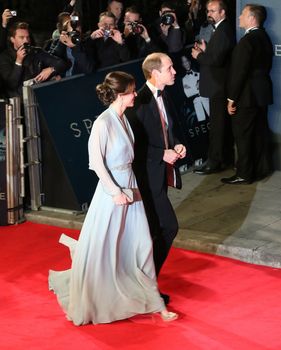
column 214, row 62
column 83, row 62
column 108, row 52
column 249, row 79
column 149, row 140
column 13, row 75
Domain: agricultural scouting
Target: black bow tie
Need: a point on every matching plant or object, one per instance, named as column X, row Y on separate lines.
column 159, row 93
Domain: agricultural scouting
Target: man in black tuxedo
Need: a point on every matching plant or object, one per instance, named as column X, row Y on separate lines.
column 249, row 94
column 156, row 150
column 214, row 61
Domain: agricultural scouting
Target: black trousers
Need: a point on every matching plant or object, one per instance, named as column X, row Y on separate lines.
column 221, row 145
column 163, row 225
column 251, row 134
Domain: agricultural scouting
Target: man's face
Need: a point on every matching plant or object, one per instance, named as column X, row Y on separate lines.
column 245, row 19
column 116, row 8
column 106, row 23
column 21, row 37
column 214, row 13
column 167, row 74
column 131, row 17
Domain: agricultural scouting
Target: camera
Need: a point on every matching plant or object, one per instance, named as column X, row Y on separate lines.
column 136, row 28
column 167, row 18
column 29, row 49
column 13, row 13
column 74, row 36
column 106, row 33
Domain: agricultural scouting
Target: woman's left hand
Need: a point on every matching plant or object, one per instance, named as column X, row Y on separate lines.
column 121, row 199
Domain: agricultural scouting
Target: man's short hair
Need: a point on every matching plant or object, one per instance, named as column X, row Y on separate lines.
column 169, row 5
column 16, row 26
column 222, row 4
column 152, row 61
column 107, row 14
column 257, row 11
column 133, row 9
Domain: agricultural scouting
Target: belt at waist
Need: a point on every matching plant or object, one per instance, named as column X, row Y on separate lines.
column 122, row 167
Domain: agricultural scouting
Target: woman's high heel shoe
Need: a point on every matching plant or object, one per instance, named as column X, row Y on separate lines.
column 168, row 316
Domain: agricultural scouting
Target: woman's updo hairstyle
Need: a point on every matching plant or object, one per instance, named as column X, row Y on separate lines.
column 114, row 83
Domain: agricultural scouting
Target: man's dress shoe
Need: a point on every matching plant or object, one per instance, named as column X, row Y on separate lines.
column 235, row 180
column 207, row 169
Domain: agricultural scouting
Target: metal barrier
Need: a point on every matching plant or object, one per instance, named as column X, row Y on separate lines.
column 12, row 179
column 33, row 145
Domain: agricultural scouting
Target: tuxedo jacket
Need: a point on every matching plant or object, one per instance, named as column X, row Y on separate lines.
column 249, row 79
column 145, row 121
column 214, row 61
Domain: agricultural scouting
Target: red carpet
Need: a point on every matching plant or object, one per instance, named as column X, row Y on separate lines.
column 223, row 304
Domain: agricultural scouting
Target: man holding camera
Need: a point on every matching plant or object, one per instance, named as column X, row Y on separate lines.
column 166, row 32
column 107, row 42
column 21, row 61
column 70, row 46
column 136, row 35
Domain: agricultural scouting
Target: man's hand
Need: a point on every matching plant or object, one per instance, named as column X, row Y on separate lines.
column 144, row 33
column 97, row 34
column 181, row 150
column 117, row 36
column 170, row 156
column 66, row 40
column 6, row 15
column 44, row 74
column 164, row 29
column 198, row 48
column 21, row 53
column 231, row 108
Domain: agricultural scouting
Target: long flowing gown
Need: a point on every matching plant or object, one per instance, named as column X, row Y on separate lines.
column 112, row 276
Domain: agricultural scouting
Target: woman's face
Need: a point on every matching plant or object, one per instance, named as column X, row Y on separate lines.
column 128, row 98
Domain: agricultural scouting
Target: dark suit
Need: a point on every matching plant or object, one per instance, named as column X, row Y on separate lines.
column 150, row 169
column 107, row 52
column 214, row 65
column 250, row 87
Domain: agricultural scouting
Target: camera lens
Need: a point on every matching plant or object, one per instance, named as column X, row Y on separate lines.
column 167, row 19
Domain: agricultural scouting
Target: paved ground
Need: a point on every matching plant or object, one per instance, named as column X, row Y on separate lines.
column 238, row 221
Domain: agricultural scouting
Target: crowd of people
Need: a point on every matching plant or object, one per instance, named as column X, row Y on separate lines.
column 120, row 34
column 133, row 147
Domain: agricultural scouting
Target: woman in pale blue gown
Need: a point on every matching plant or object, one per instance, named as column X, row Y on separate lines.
column 112, row 276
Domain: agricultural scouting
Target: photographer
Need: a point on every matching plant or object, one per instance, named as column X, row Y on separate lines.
column 21, row 61
column 136, row 36
column 166, row 31
column 70, row 46
column 107, row 42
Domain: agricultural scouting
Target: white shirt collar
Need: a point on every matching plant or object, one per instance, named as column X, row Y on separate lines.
column 250, row 29
column 152, row 88
column 218, row 23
